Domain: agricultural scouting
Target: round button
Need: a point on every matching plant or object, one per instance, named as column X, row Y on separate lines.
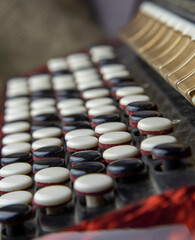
column 106, row 109
column 95, row 93
column 16, row 197
column 15, row 182
column 112, row 139
column 140, row 106
column 47, row 163
column 16, row 138
column 16, row 102
column 49, row 151
column 41, row 111
column 47, row 132
column 85, row 156
column 17, row 116
column 75, row 125
column 79, row 133
column 81, row 143
column 113, row 117
column 16, row 157
column 127, row 91
column 57, row 64
column 88, row 85
column 42, row 103
column 110, row 127
column 121, row 73
column 52, row 196
column 46, row 142
column 16, row 127
column 74, row 118
column 124, row 101
column 120, row 152
column 148, row 144
column 98, row 102
column 111, row 68
column 16, row 148
column 14, row 169
column 68, row 103
column 73, row 110
column 52, row 175
column 155, row 126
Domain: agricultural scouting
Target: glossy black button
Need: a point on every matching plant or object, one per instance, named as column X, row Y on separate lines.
column 74, row 118
column 114, row 117
column 37, row 126
column 42, row 93
column 125, row 167
column 15, row 213
column 66, row 93
column 119, row 80
column 137, row 116
column 85, row 156
column 61, row 72
column 75, row 125
column 50, row 151
column 17, row 157
column 86, row 168
column 48, row 162
column 45, row 118
column 140, row 106
column 106, row 61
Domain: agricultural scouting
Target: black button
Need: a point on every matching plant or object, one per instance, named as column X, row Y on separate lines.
column 86, row 168
column 74, row 118
column 125, row 167
column 16, row 157
column 42, row 93
column 66, row 93
column 140, row 106
column 105, row 61
column 45, row 117
column 48, row 162
column 61, row 72
column 50, row 151
column 171, row 151
column 119, row 80
column 15, row 213
column 85, row 156
column 114, row 117
column 37, row 126
column 75, row 125
column 137, row 116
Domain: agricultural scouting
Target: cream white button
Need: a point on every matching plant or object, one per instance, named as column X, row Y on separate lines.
column 73, row 110
column 38, row 87
column 15, row 148
column 46, row 142
column 149, row 143
column 115, row 137
column 15, row 168
column 127, row 91
column 46, row 110
column 42, row 103
column 80, row 65
column 85, row 72
column 120, row 152
column 16, row 79
column 93, row 103
column 93, row 183
column 83, row 86
column 67, row 86
column 15, row 110
column 101, row 48
column 57, row 64
column 52, row 195
column 111, row 68
column 47, row 132
column 134, row 98
column 16, row 137
column 16, row 102
column 39, row 78
column 86, row 142
column 96, row 93
column 76, row 56
column 62, row 79
column 16, row 127
column 15, row 182
column 16, row 197
column 87, row 78
column 69, row 103
column 79, row 133
column 17, row 116
column 154, row 124
column 111, row 75
column 106, row 55
column 105, row 109
column 15, row 92
column 110, row 127
column 52, row 175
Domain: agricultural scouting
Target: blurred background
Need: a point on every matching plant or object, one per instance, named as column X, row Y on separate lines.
column 35, row 30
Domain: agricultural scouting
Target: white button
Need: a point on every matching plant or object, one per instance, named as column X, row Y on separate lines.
column 154, row 124
column 76, row 56
column 85, row 72
column 83, row 86
column 111, row 75
column 14, row 110
column 79, row 133
column 42, row 103
column 16, row 80
column 148, row 144
column 16, row 102
column 46, row 142
column 111, row 68
column 115, row 137
column 73, row 110
column 105, row 109
column 16, row 197
column 120, row 152
column 16, row 127
column 57, row 64
column 106, row 55
column 101, row 48
column 40, row 87
column 15, row 148
column 52, row 196
column 46, row 110
column 93, row 103
column 15, row 182
column 127, row 91
column 47, row 132
column 86, row 142
column 39, row 78
column 17, row 116
column 16, row 92
column 110, row 127
column 134, row 98
column 15, row 168
column 52, row 175
column 68, row 103
column 16, row 137
column 88, row 78
column 80, row 65
column 96, row 93
column 93, row 183
column 62, row 78
column 67, row 86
